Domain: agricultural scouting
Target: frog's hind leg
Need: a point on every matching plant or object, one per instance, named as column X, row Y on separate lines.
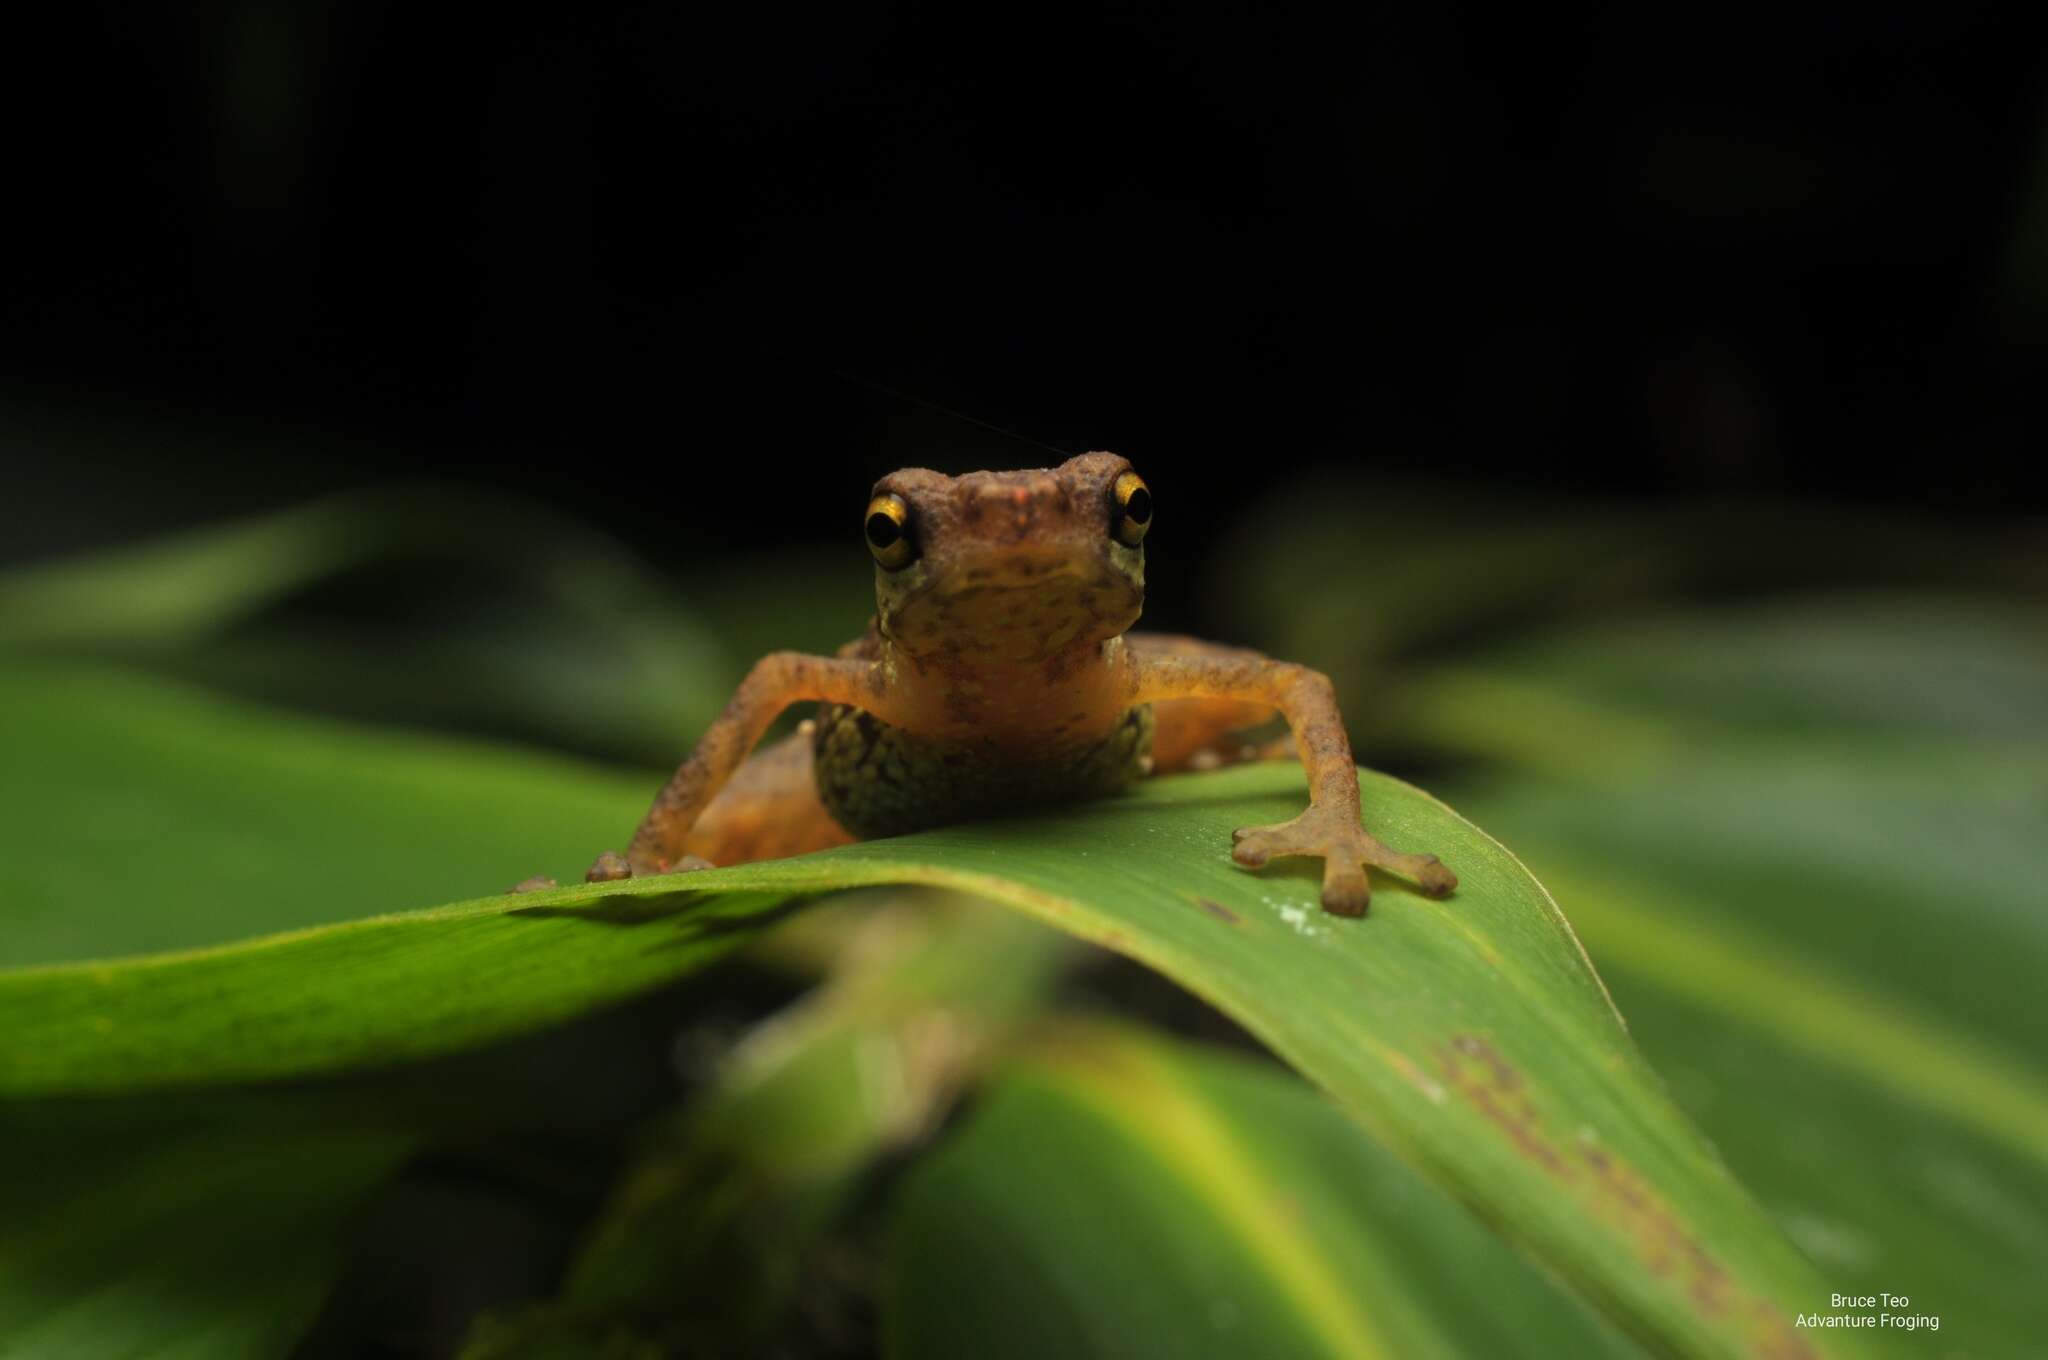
column 768, row 810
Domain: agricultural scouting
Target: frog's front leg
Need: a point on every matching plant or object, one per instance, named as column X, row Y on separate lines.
column 1165, row 669
column 777, row 681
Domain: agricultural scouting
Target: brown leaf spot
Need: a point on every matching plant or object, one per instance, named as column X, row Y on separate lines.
column 1490, row 1084
column 1615, row 1194
column 1473, row 1046
column 1219, row 911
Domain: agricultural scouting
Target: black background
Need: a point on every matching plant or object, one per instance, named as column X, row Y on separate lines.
column 702, row 273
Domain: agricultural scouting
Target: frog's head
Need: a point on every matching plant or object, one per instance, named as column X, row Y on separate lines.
column 1009, row 566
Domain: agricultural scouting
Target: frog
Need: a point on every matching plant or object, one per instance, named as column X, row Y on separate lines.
column 1001, row 671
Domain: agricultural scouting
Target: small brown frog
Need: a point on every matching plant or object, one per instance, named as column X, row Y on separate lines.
column 999, row 673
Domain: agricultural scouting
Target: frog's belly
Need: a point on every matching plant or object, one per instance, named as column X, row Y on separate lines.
column 878, row 780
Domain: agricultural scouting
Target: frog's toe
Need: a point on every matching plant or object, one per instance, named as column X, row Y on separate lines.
column 1252, row 846
column 1426, row 872
column 537, row 883
column 609, row 867
column 1347, row 891
column 1347, row 850
column 1432, row 875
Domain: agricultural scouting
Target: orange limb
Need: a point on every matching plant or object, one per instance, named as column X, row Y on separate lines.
column 664, row 840
column 1173, row 669
column 769, row 809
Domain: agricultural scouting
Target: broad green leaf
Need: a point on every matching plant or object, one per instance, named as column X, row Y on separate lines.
column 382, row 990
column 1119, row 1196
column 143, row 815
column 1471, row 1036
column 1839, row 809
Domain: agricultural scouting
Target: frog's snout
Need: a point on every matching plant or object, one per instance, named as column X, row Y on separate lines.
column 1015, row 508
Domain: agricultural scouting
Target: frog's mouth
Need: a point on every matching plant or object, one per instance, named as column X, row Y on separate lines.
column 1014, row 608
column 1014, row 571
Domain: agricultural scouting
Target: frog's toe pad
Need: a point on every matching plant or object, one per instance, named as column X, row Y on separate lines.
column 537, row 883
column 1346, row 849
column 1433, row 876
column 1252, row 846
column 609, row 867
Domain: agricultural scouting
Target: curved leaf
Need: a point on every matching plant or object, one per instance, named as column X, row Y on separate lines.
column 1471, row 1035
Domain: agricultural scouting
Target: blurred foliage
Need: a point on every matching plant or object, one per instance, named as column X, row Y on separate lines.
column 1113, row 1187
column 200, row 1241
column 1804, row 843
column 728, row 1218
column 429, row 606
column 1800, row 834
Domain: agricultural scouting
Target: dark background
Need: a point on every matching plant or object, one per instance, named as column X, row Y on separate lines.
column 701, row 273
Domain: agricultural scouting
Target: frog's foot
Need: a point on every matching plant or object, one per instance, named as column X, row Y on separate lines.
column 611, row 866
column 1346, row 848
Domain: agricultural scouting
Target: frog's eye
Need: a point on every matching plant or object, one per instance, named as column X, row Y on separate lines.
column 1130, row 510
column 889, row 533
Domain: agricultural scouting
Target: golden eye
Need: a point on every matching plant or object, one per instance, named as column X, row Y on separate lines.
column 1130, row 510
column 889, row 533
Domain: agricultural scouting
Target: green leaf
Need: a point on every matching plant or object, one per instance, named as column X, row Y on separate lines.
column 382, row 990
column 143, row 815
column 1119, row 1196
column 1891, row 1142
column 1471, row 1036
column 1838, row 808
